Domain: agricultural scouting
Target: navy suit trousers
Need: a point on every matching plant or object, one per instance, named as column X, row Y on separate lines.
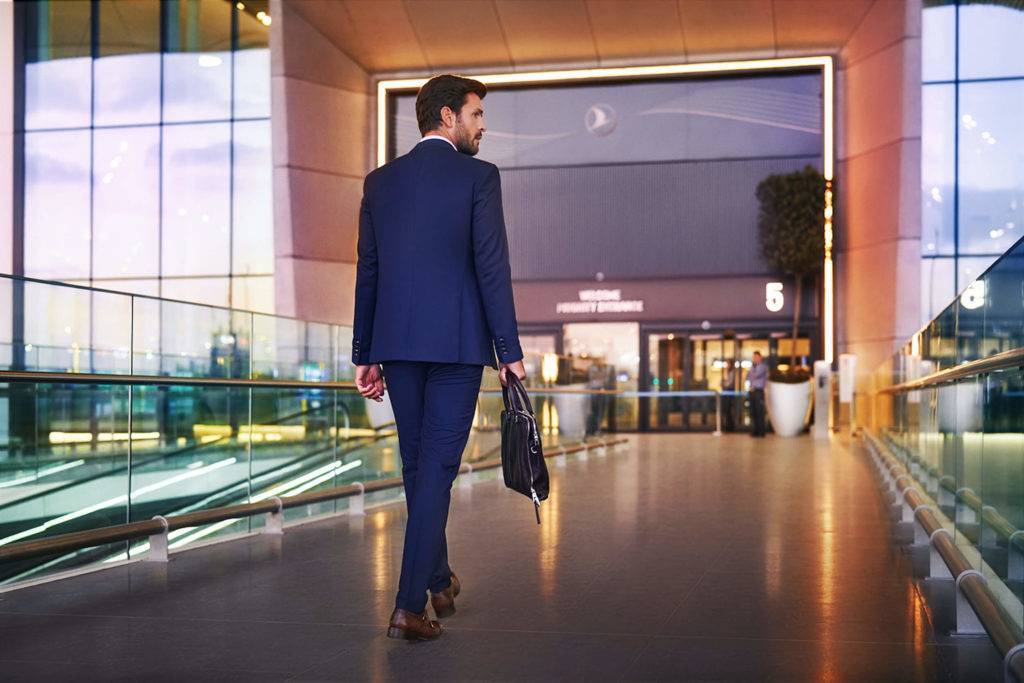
column 434, row 405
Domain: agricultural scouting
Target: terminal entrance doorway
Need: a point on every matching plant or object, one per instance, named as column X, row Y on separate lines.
column 684, row 374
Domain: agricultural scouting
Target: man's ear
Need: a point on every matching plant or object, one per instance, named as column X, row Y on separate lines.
column 448, row 116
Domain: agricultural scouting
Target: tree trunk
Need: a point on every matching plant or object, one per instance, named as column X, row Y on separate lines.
column 796, row 322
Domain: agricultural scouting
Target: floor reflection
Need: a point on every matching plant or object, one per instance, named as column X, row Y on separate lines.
column 550, row 530
column 381, row 553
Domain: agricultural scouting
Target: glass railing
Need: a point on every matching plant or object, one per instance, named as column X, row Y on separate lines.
column 80, row 453
column 584, row 395
column 961, row 433
column 58, row 327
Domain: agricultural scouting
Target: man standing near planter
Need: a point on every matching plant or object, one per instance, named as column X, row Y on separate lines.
column 757, row 376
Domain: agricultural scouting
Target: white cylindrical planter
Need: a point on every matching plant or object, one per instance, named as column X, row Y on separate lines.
column 572, row 411
column 789, row 406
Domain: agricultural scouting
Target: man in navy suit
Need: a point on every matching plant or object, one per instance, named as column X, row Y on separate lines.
column 433, row 305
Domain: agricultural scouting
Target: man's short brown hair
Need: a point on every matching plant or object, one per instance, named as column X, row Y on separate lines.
column 442, row 91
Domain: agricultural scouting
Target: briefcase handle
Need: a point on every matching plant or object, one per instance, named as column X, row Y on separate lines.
column 514, row 395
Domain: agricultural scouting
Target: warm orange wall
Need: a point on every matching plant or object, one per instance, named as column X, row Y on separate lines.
column 321, row 109
column 879, row 180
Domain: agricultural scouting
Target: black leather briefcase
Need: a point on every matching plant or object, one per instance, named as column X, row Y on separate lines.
column 522, row 460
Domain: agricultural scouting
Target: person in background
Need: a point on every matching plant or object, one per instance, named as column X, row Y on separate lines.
column 597, row 379
column 728, row 401
column 757, row 377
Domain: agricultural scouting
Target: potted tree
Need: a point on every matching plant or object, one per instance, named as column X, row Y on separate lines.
column 792, row 208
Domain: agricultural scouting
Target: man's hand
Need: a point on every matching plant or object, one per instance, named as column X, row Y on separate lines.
column 517, row 368
column 370, row 382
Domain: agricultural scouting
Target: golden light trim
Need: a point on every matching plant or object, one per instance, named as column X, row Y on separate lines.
column 827, row 275
column 828, row 164
column 824, row 62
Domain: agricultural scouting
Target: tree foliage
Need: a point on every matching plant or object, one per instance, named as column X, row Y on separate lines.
column 790, row 221
column 790, row 225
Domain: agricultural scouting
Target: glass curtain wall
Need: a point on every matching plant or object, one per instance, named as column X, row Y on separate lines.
column 972, row 176
column 147, row 148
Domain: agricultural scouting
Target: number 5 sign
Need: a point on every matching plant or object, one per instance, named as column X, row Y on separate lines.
column 773, row 299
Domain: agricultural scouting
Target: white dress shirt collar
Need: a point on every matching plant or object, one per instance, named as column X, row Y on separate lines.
column 439, row 137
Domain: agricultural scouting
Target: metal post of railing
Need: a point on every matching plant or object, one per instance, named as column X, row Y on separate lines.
column 718, row 413
column 560, row 459
column 275, row 519
column 357, row 505
column 158, row 543
column 967, row 621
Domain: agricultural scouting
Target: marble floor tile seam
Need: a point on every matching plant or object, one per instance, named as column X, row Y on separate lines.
column 636, row 658
column 690, row 592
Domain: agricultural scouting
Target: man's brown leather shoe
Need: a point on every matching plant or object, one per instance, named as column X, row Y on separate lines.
column 444, row 602
column 410, row 626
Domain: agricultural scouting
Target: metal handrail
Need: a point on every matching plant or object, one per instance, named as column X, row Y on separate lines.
column 100, row 378
column 1000, row 627
column 135, row 530
column 996, row 521
column 1006, row 360
column 631, row 393
column 151, row 297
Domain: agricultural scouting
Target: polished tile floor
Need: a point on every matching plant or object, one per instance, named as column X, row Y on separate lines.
column 678, row 557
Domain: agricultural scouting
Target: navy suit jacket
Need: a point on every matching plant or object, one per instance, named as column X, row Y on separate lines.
column 433, row 281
